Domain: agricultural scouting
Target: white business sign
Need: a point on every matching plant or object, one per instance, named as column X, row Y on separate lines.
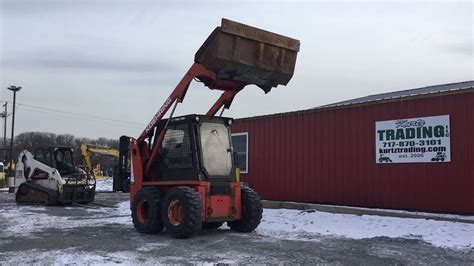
column 413, row 140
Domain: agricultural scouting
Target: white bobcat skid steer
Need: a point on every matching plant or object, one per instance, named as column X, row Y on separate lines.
column 49, row 177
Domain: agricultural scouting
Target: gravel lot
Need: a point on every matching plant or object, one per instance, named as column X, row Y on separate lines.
column 99, row 234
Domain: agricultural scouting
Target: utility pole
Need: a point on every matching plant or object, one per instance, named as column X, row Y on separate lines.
column 4, row 115
column 14, row 89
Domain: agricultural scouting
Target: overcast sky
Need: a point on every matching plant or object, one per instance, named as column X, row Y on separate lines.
column 120, row 59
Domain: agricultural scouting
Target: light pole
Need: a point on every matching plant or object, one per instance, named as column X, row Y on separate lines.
column 4, row 115
column 14, row 89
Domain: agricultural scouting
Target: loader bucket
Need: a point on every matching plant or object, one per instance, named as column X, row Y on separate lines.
column 239, row 52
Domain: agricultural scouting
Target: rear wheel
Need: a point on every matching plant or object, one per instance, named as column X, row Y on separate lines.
column 146, row 210
column 251, row 212
column 182, row 212
column 211, row 225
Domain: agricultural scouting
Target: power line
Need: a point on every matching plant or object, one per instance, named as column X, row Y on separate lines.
column 76, row 117
column 81, row 115
column 94, row 118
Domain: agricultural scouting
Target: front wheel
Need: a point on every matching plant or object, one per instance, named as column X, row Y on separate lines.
column 182, row 212
column 251, row 207
column 146, row 210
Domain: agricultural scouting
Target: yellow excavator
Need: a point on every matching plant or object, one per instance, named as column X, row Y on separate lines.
column 87, row 149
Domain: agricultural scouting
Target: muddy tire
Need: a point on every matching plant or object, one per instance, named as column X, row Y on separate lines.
column 182, row 212
column 211, row 225
column 146, row 209
column 251, row 212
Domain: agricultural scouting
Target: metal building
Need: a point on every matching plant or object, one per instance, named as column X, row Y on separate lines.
column 411, row 149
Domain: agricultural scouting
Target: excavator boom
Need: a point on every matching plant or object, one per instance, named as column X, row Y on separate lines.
column 87, row 149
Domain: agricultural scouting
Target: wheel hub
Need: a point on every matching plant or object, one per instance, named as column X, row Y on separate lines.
column 175, row 213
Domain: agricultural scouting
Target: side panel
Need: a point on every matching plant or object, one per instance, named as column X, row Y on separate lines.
column 214, row 207
column 223, row 207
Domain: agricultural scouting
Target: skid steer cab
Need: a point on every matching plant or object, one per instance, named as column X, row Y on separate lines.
column 49, row 177
column 194, row 183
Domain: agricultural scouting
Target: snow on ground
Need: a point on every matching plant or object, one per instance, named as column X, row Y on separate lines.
column 426, row 215
column 307, row 225
column 24, row 220
column 71, row 256
column 104, row 184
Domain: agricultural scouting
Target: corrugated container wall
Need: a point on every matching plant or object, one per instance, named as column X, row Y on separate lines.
column 327, row 155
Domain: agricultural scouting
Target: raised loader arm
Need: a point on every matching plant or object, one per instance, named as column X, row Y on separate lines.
column 233, row 56
column 197, row 71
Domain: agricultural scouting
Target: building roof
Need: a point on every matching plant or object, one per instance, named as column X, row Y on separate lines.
column 390, row 96
column 405, row 93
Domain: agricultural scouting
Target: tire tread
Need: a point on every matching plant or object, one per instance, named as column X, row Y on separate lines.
column 194, row 218
column 154, row 225
column 252, row 216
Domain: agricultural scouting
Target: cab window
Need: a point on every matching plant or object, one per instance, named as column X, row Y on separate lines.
column 64, row 163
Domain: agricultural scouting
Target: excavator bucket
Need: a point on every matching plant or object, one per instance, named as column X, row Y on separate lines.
column 239, row 52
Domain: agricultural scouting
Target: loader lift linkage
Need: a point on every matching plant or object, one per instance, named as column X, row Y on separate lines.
column 183, row 175
column 230, row 88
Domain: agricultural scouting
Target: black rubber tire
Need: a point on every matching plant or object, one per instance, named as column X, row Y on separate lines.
column 251, row 212
column 126, row 185
column 191, row 218
column 150, row 197
column 211, row 225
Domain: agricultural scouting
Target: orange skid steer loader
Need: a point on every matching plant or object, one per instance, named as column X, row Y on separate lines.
column 183, row 174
